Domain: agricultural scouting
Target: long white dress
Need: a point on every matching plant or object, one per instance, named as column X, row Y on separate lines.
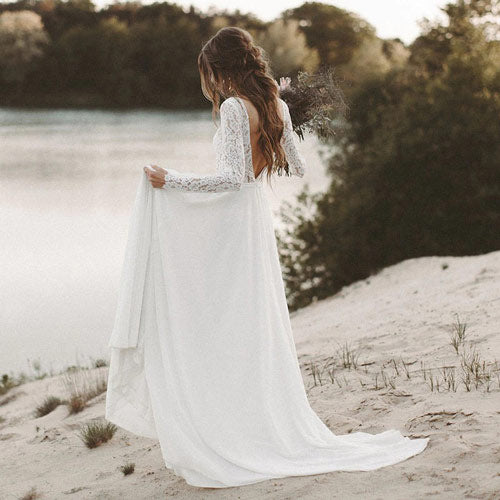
column 202, row 353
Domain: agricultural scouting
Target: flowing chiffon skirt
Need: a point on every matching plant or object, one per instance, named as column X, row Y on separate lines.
column 205, row 362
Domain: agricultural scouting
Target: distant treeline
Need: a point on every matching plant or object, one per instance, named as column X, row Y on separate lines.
column 415, row 171
column 68, row 53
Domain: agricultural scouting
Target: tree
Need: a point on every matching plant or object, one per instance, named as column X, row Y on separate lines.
column 367, row 61
column 287, row 48
column 22, row 42
column 60, row 16
column 335, row 33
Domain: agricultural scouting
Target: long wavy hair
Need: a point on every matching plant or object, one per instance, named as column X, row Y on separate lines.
column 230, row 64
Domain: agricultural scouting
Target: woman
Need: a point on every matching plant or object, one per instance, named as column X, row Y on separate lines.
column 203, row 357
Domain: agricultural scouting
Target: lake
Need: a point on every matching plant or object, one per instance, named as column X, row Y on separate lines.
column 67, row 184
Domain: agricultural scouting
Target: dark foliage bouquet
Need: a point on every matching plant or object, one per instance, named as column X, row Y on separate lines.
column 316, row 102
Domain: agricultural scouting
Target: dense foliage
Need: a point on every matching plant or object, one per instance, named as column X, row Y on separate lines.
column 417, row 171
column 67, row 53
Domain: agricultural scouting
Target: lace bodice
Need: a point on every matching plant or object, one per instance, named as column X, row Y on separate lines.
column 234, row 153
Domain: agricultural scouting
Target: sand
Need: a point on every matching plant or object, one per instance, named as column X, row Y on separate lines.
column 397, row 323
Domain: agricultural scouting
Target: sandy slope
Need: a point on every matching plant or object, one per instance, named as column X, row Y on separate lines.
column 406, row 312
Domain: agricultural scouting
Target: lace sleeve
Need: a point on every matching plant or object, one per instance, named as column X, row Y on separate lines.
column 296, row 162
column 231, row 168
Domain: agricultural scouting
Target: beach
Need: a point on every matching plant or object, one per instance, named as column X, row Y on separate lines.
column 415, row 347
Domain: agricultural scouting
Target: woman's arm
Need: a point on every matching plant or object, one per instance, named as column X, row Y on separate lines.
column 232, row 157
column 296, row 162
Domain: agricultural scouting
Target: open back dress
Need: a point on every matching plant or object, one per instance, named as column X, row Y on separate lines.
column 202, row 352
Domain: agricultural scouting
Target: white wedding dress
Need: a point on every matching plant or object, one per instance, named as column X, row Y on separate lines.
column 202, row 353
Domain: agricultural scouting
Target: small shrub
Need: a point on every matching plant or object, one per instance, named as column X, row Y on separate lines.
column 6, row 384
column 99, row 363
column 48, row 405
column 76, row 404
column 127, row 469
column 97, row 433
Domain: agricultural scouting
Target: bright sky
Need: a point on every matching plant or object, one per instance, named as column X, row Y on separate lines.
column 391, row 18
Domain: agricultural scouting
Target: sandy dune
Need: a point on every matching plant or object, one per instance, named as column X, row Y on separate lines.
column 398, row 323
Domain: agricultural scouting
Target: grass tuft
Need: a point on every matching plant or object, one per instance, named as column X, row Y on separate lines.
column 96, row 433
column 82, row 386
column 458, row 334
column 48, row 405
column 348, row 356
column 127, row 469
column 99, row 363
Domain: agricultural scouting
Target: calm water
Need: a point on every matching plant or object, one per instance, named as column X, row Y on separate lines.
column 67, row 184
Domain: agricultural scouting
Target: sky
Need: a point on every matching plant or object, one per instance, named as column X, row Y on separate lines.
column 391, row 18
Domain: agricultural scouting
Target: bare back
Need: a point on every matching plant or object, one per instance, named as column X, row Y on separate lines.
column 258, row 160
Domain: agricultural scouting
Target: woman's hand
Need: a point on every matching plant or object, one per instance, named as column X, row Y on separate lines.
column 156, row 175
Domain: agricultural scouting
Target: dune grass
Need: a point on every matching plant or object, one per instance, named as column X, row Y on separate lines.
column 94, row 434
column 469, row 372
column 8, row 380
column 127, row 469
column 83, row 385
column 49, row 404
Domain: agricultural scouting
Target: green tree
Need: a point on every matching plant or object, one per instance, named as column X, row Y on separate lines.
column 60, row 16
column 374, row 57
column 164, row 56
column 335, row 33
column 287, row 48
column 416, row 172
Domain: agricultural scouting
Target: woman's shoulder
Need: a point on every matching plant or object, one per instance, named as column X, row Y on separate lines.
column 231, row 108
column 230, row 101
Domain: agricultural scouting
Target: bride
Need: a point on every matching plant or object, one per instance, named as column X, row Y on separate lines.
column 202, row 352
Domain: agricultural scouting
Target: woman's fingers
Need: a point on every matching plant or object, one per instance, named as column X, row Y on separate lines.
column 156, row 175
